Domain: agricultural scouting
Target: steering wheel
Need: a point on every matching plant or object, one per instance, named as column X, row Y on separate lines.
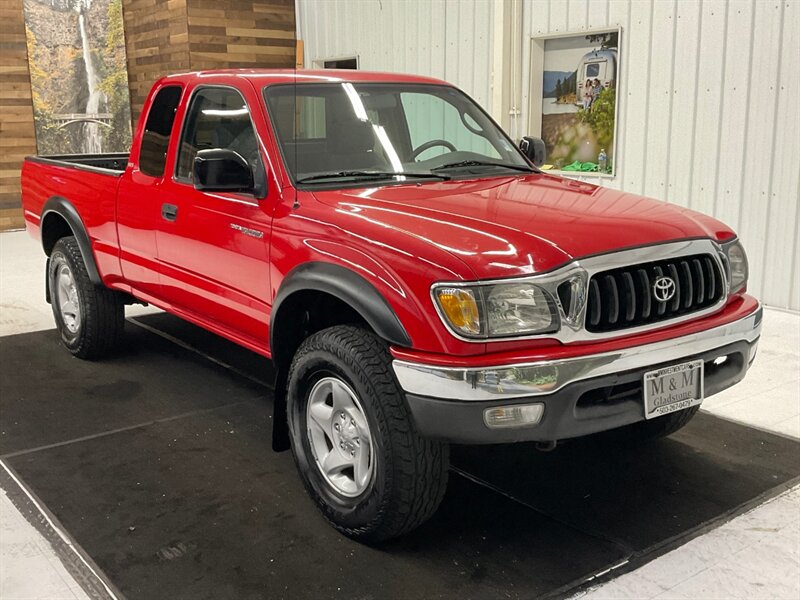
column 432, row 144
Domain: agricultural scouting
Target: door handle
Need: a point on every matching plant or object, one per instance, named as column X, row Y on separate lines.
column 169, row 212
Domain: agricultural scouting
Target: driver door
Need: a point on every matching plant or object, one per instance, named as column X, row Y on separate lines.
column 213, row 246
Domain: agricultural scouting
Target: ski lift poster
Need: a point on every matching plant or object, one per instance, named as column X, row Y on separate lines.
column 76, row 56
column 579, row 104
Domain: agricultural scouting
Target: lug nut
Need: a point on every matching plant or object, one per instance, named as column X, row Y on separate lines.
column 352, row 453
column 336, row 426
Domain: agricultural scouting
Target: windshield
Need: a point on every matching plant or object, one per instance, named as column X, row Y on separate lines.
column 348, row 132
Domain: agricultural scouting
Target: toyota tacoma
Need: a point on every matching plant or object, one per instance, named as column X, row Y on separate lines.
column 414, row 276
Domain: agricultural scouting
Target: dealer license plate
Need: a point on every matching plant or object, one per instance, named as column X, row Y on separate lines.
column 673, row 388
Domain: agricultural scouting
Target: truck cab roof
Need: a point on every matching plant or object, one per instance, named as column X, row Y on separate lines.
column 261, row 77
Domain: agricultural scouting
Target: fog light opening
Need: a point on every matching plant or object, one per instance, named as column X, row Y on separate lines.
column 546, row 446
column 521, row 415
column 720, row 360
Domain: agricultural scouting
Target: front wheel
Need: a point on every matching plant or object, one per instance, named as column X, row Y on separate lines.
column 354, row 442
column 89, row 318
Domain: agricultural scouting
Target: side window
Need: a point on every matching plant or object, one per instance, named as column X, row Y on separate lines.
column 157, row 129
column 430, row 118
column 217, row 118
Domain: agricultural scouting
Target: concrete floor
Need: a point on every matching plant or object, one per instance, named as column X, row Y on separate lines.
column 756, row 555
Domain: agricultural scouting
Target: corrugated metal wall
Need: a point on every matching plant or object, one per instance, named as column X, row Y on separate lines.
column 709, row 115
column 451, row 40
column 709, row 112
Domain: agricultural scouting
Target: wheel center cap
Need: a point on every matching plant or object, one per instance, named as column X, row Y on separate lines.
column 345, row 432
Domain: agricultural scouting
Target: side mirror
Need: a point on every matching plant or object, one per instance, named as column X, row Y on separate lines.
column 222, row 170
column 534, row 149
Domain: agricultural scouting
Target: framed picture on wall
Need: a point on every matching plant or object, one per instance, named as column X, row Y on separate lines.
column 574, row 83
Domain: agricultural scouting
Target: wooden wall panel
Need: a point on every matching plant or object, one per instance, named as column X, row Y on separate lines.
column 241, row 33
column 161, row 37
column 17, row 137
column 181, row 35
column 157, row 44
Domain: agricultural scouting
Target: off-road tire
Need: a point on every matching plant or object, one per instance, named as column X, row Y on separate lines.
column 102, row 310
column 410, row 472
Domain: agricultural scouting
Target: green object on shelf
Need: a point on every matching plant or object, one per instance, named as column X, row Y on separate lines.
column 580, row 166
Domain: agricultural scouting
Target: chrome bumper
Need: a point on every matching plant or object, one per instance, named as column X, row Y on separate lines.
column 541, row 378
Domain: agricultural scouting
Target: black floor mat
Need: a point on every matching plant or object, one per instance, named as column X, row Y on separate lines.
column 158, row 462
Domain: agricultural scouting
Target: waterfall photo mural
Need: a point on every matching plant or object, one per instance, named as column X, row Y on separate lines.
column 76, row 54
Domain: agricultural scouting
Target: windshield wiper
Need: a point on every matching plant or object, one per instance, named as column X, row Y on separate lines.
column 371, row 175
column 483, row 163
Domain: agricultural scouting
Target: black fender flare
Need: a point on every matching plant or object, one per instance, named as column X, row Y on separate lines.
column 64, row 208
column 345, row 285
column 349, row 287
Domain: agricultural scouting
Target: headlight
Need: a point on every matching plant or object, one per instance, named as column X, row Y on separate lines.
column 497, row 311
column 736, row 264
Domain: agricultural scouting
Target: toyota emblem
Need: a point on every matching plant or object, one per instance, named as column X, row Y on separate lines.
column 664, row 288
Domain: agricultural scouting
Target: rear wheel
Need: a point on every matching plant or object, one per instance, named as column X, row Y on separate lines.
column 354, row 442
column 89, row 318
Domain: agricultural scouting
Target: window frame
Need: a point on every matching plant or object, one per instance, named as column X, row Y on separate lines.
column 150, row 109
column 259, row 194
column 319, row 63
column 535, row 112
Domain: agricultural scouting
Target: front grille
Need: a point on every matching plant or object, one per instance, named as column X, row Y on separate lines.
column 625, row 297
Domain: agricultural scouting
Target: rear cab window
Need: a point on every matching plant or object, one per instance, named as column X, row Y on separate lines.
column 157, row 131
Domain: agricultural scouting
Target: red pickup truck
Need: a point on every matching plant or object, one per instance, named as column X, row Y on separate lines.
column 414, row 276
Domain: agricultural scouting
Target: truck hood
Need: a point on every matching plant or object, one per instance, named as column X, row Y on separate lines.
column 502, row 227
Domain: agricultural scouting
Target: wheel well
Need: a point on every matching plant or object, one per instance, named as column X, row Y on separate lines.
column 54, row 227
column 302, row 314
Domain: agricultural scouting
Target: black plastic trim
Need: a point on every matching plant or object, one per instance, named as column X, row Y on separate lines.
column 65, row 209
column 70, row 161
column 349, row 287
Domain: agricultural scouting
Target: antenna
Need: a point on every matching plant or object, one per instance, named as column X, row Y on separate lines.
column 298, row 60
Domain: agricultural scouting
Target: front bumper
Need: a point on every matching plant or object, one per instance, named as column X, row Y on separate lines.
column 581, row 395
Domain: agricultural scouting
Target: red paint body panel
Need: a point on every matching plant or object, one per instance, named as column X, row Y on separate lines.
column 401, row 238
column 97, row 207
column 511, row 226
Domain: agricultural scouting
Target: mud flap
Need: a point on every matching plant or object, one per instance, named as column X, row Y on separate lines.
column 280, row 427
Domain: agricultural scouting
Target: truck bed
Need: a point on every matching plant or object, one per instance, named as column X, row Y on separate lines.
column 83, row 186
column 109, row 164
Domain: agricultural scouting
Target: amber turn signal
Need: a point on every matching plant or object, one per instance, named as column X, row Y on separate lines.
column 460, row 308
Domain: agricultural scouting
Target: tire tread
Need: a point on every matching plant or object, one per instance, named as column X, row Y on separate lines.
column 103, row 313
column 419, row 476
